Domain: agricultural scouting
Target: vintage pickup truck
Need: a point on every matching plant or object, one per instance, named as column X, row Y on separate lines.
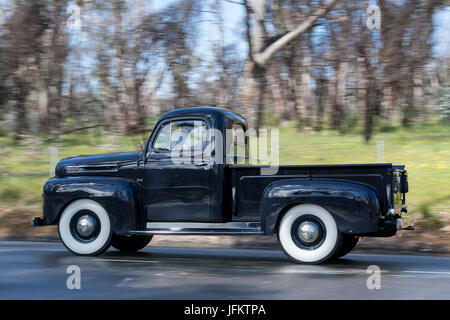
column 122, row 199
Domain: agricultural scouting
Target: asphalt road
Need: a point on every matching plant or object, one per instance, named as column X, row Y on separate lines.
column 37, row 270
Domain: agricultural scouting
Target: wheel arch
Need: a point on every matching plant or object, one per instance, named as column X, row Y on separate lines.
column 57, row 216
column 283, row 212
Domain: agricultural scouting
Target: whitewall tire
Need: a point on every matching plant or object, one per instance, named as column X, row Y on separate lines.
column 308, row 234
column 85, row 228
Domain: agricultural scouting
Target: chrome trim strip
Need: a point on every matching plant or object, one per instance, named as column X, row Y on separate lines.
column 113, row 167
column 201, row 228
column 202, row 225
column 98, row 165
column 206, row 232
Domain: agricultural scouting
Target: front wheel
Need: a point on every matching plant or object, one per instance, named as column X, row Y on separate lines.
column 130, row 243
column 308, row 234
column 84, row 228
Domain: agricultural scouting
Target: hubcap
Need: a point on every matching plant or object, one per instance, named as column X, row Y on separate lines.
column 308, row 231
column 86, row 226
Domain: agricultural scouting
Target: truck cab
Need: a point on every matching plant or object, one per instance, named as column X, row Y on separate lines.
column 186, row 181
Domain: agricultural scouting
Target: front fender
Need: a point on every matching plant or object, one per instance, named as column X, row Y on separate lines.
column 120, row 198
column 355, row 207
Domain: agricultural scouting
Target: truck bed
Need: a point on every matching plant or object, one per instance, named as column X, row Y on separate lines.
column 250, row 184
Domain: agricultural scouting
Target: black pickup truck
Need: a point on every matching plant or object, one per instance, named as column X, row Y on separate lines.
column 123, row 199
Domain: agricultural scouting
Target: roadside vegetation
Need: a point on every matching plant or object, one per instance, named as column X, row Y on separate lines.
column 424, row 149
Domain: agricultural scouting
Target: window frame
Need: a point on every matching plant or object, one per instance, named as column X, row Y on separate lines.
column 161, row 128
column 151, row 144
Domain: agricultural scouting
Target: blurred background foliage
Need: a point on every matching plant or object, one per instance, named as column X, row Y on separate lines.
column 93, row 76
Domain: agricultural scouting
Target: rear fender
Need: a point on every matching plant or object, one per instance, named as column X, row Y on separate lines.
column 354, row 207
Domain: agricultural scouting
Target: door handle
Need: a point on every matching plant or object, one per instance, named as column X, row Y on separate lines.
column 201, row 164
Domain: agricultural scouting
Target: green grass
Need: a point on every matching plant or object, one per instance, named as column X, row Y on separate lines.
column 425, row 150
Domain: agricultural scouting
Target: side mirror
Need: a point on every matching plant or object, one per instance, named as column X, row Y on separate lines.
column 141, row 146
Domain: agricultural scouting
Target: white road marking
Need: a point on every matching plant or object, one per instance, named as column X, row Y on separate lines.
column 26, row 249
column 427, row 272
column 27, row 243
column 124, row 282
column 319, row 270
column 126, row 260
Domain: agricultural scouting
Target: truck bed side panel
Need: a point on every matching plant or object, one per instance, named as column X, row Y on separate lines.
column 249, row 184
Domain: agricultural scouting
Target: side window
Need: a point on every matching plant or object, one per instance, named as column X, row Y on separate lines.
column 189, row 134
column 182, row 135
column 237, row 147
column 239, row 140
column 163, row 139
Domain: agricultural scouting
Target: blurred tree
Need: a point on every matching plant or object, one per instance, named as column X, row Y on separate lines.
column 34, row 47
column 262, row 48
column 130, row 54
column 442, row 102
column 19, row 41
column 50, row 60
column 316, row 62
column 406, row 32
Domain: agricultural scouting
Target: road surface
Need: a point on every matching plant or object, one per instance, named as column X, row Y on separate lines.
column 37, row 270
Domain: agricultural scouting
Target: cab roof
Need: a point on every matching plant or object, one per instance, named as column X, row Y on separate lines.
column 205, row 111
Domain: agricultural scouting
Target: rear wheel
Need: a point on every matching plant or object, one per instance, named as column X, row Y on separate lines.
column 309, row 234
column 130, row 243
column 349, row 243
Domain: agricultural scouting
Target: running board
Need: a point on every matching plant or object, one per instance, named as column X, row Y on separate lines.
column 200, row 228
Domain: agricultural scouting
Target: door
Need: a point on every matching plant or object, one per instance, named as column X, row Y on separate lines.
column 177, row 173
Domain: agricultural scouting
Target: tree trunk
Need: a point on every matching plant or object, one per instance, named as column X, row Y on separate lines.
column 303, row 92
column 321, row 94
column 276, row 89
column 337, row 111
column 43, row 107
column 259, row 74
column 139, row 110
column 21, row 118
column 369, row 112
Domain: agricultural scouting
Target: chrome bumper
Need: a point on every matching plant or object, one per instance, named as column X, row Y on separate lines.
column 405, row 223
column 403, row 220
column 37, row 222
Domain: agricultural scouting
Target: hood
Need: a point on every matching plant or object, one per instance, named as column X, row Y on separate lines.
column 96, row 163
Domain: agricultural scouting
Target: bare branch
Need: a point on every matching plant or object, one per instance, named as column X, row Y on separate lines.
column 235, row 2
column 261, row 58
